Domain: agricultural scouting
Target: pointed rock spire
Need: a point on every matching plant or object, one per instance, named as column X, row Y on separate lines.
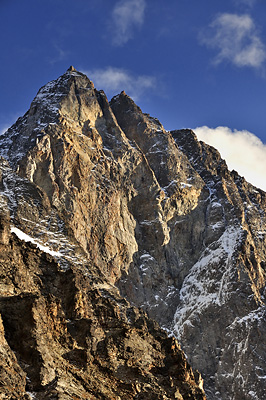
column 72, row 69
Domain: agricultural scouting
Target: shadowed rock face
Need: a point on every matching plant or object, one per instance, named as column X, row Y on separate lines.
column 155, row 213
column 65, row 335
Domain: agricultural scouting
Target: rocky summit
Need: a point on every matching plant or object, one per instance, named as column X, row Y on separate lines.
column 132, row 259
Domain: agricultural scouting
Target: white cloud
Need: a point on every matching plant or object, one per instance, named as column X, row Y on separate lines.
column 126, row 16
column 236, row 39
column 113, row 80
column 242, row 150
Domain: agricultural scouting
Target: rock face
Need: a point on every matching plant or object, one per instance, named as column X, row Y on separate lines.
column 118, row 200
column 222, row 298
column 67, row 335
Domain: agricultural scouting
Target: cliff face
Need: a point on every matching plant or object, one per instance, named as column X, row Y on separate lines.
column 119, row 200
column 66, row 334
column 222, row 299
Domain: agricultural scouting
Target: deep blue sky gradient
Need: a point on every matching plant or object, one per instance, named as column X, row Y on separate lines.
column 41, row 39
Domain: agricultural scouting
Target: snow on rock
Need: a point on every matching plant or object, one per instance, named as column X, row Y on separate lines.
column 31, row 395
column 185, row 185
column 23, row 236
column 49, row 233
column 202, row 287
column 44, row 112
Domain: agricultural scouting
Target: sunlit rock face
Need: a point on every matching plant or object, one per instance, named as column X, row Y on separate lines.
column 108, row 192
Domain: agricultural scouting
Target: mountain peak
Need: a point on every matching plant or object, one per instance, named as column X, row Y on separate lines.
column 72, row 69
column 122, row 201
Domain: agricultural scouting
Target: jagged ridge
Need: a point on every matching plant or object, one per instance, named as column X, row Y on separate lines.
column 159, row 215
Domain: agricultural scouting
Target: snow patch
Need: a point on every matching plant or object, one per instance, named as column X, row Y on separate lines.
column 185, row 185
column 32, row 395
column 23, row 236
column 146, row 257
column 74, row 74
column 208, row 279
column 250, row 318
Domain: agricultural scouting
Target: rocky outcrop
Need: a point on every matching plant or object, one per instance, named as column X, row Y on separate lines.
column 222, row 299
column 113, row 195
column 65, row 335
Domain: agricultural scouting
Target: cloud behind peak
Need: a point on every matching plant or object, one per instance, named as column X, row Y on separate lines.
column 242, row 150
column 113, row 80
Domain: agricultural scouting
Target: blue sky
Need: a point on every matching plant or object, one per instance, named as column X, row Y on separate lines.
column 189, row 63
